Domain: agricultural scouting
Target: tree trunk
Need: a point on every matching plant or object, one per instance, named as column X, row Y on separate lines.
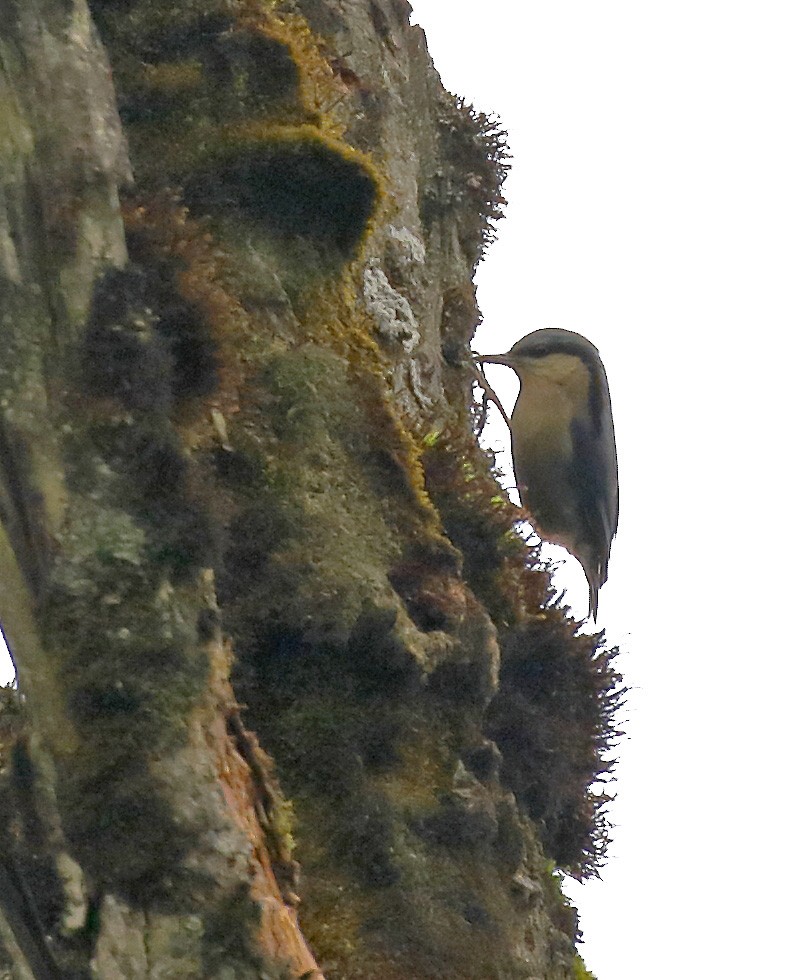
column 247, row 533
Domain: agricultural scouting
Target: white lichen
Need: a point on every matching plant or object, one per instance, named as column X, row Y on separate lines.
column 390, row 310
column 410, row 250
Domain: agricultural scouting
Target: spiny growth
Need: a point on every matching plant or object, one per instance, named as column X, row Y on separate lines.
column 503, row 570
column 475, row 146
column 554, row 719
column 554, row 715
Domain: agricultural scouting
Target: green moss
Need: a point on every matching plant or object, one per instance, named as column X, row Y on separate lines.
column 330, row 315
column 124, row 604
column 124, row 648
column 309, row 467
column 323, row 462
column 501, row 568
column 134, row 672
column 294, row 180
column 554, row 720
column 360, row 743
column 579, row 970
column 230, row 102
column 309, row 397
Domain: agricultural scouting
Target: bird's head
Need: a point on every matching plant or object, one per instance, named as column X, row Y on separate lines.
column 550, row 349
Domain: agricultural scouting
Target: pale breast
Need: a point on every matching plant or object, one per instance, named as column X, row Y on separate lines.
column 554, row 391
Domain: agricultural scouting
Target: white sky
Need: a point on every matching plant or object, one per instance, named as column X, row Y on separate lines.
column 647, row 211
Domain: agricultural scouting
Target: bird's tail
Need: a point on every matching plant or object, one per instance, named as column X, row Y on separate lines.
column 595, row 578
column 594, row 596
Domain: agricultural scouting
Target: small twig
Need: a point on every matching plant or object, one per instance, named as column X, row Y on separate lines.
column 482, row 381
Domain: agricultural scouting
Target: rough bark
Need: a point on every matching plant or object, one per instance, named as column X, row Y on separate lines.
column 239, row 465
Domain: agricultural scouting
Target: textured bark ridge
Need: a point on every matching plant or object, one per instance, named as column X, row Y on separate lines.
column 263, row 593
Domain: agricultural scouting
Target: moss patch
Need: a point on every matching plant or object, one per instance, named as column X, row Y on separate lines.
column 501, row 568
column 554, row 715
column 554, row 721
column 231, row 102
column 134, row 672
column 294, row 180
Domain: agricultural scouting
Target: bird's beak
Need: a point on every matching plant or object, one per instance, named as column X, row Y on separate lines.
column 493, row 359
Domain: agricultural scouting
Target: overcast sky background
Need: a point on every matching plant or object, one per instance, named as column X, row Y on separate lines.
column 647, row 211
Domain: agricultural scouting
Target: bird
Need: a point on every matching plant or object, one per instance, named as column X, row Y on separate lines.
column 564, row 446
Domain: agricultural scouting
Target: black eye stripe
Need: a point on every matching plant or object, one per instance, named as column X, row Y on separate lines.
column 573, row 345
column 542, row 343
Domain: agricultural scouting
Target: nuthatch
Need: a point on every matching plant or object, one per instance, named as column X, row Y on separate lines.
column 563, row 446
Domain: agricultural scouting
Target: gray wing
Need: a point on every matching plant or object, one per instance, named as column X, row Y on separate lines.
column 594, row 476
